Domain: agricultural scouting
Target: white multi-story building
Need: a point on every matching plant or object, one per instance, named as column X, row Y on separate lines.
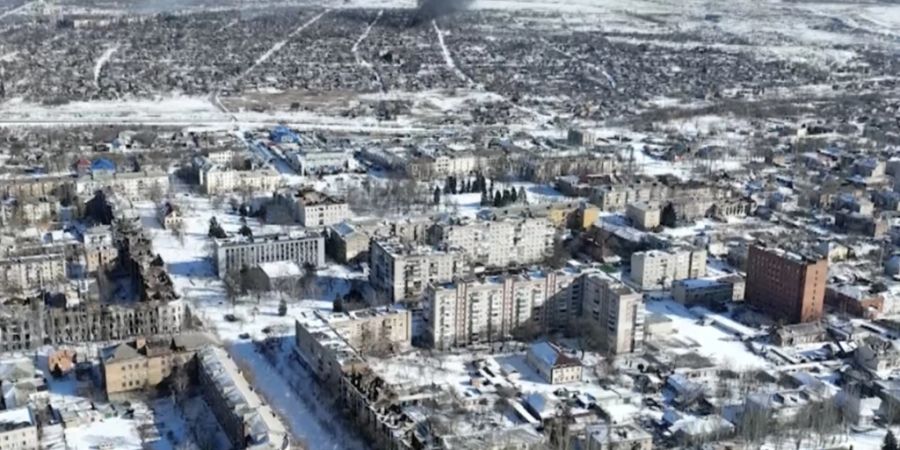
column 404, row 271
column 498, row 243
column 236, row 253
column 657, row 268
column 215, row 179
column 616, row 312
column 316, row 209
column 18, row 430
column 496, row 308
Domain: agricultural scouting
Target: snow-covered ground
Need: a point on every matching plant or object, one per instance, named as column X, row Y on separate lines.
column 707, row 340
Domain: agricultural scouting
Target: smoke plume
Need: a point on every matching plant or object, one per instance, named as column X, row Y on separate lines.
column 432, row 9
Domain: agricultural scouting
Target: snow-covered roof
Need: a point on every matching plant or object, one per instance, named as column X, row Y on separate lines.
column 551, row 356
column 12, row 419
column 281, row 269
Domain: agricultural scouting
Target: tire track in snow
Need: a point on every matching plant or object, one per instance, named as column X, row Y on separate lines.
column 278, row 45
column 448, row 58
column 362, row 61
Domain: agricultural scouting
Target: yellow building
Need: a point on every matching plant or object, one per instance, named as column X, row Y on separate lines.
column 145, row 364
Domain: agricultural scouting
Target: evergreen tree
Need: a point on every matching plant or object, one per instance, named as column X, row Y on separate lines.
column 498, row 200
column 246, row 231
column 282, row 308
column 513, row 195
column 507, row 197
column 453, row 187
column 482, row 185
column 437, row 196
column 668, row 217
column 890, row 441
column 485, row 200
column 523, row 197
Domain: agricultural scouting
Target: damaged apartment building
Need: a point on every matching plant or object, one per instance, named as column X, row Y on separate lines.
column 53, row 318
column 688, row 200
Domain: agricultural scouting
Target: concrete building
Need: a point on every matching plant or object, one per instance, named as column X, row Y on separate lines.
column 216, row 179
column 554, row 365
column 496, row 308
column 644, row 215
column 617, row 436
column 146, row 363
column 380, row 329
column 403, row 271
column 236, row 253
column 696, row 291
column 788, row 286
column 130, row 185
column 319, row 161
column 616, row 313
column 99, row 249
column 245, row 418
column 323, row 350
column 497, row 243
column 662, row 267
column 315, row 209
column 31, row 187
column 347, row 242
column 94, row 322
column 18, row 430
column 33, row 271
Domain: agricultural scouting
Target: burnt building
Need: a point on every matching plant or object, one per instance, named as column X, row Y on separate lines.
column 787, row 285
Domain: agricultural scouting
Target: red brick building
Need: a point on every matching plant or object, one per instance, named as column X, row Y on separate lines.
column 857, row 301
column 788, row 286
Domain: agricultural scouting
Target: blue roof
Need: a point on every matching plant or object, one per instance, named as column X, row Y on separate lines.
column 103, row 164
column 282, row 133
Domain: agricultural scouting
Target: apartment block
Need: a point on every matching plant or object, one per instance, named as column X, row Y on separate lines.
column 99, row 249
column 616, row 313
column 245, row 418
column 146, row 363
column 657, row 268
column 215, row 179
column 497, row 243
column 379, row 329
column 787, row 285
column 131, row 185
column 18, row 430
column 644, row 215
column 498, row 307
column 403, row 271
column 33, row 271
column 236, row 253
column 316, row 209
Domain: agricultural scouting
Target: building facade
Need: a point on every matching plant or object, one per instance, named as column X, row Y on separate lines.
column 237, row 253
column 404, row 271
column 33, row 271
column 788, row 286
column 662, row 267
column 615, row 312
column 498, row 243
column 315, row 209
column 18, row 430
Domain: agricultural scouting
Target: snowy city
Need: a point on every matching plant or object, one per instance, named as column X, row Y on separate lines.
column 449, row 224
